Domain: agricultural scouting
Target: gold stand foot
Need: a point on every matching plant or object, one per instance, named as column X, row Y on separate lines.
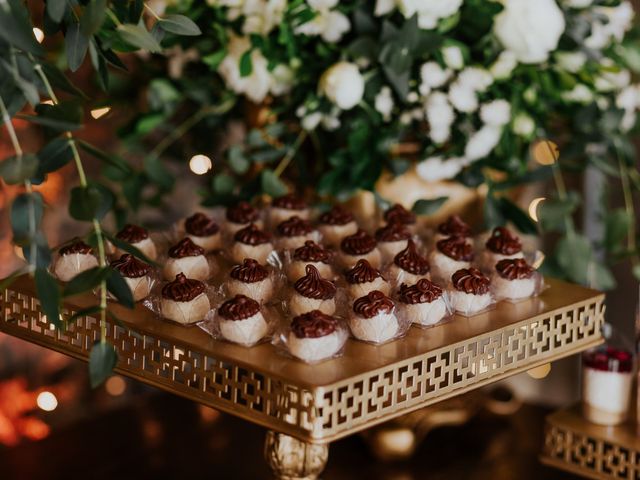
column 293, row 459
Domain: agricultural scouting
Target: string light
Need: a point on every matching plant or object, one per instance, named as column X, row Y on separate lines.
column 533, row 208
column 47, row 102
column 115, row 386
column 100, row 112
column 545, row 152
column 200, row 164
column 47, row 401
column 540, row 372
column 39, row 34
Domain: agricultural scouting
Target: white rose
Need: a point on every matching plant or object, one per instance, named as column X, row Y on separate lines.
column 482, row 142
column 628, row 98
column 440, row 115
column 256, row 85
column 496, row 113
column 433, row 75
column 383, row 7
column 476, row 78
column 261, row 16
column 628, row 120
column 571, row 61
column 281, row 79
column 331, row 121
column 523, row 125
column 579, row 94
column 413, row 97
column 384, row 103
column 504, row 65
column 578, row 3
column 343, row 84
column 330, row 24
column 530, row 29
column 428, row 11
column 453, row 57
column 609, row 81
column 463, row 98
column 311, row 121
column 435, row 169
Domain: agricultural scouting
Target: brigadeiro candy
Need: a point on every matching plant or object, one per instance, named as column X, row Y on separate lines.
column 251, row 242
column 422, row 303
column 240, row 216
column 311, row 253
column 136, row 273
column 400, row 215
column 409, row 266
column 241, row 321
column 373, row 318
column 184, row 300
column 203, row 231
column 312, row 292
column 469, row 291
column 285, row 207
column 363, row 278
column 359, row 246
column 293, row 232
column 450, row 255
column 454, row 226
column 251, row 279
column 315, row 336
column 138, row 237
column 502, row 244
column 74, row 259
column 513, row 278
column 188, row 258
column 392, row 239
column 336, row 224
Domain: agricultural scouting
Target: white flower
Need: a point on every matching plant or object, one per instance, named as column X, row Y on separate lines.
column 628, row 98
column 504, row 65
column 384, row 103
column 578, row 3
column 383, row 7
column 428, row 11
column 311, row 121
column 440, row 116
column 435, row 169
column 609, row 81
column 406, row 118
column 412, row 97
column 579, row 94
column 433, row 75
column 331, row 121
column 330, row 24
column 282, row 79
column 256, row 85
column 476, row 78
column 463, row 98
column 571, row 61
column 453, row 57
column 523, row 125
column 496, row 113
column 261, row 16
column 529, row 28
column 482, row 142
column 343, row 84
column 628, row 120
column 609, row 23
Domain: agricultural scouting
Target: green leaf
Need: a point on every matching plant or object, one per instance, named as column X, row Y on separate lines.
column 119, row 288
column 517, row 216
column 428, row 206
column 56, row 9
column 179, row 24
column 25, row 207
column 85, row 312
column 85, row 281
column 223, row 184
column 617, row 223
column 15, row 27
column 53, row 156
column 246, row 66
column 38, row 248
column 17, row 169
column 102, row 360
column 237, row 161
column 110, row 159
column 49, row 295
column 492, row 212
column 93, row 17
column 76, row 45
column 61, row 117
column 601, row 277
column 127, row 247
column 138, row 36
column 87, row 203
column 573, row 254
column 552, row 212
column 59, row 80
column 213, row 60
column 158, row 173
column 272, row 185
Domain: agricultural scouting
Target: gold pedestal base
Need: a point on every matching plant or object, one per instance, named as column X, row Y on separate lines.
column 293, row 459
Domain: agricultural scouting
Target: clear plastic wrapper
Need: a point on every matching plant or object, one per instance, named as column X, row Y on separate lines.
column 139, row 276
column 515, row 280
column 311, row 253
column 260, row 282
column 469, row 292
column 424, row 304
column 312, row 292
column 199, row 267
column 409, row 265
column 373, row 318
column 364, row 278
column 68, row 265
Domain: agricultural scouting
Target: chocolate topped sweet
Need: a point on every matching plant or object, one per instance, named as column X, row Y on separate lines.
column 239, row 307
column 289, row 202
column 183, row 289
column 312, row 285
column 372, row 304
column 249, row 272
column 338, row 215
column 399, row 214
column 470, row 280
column 130, row 267
column 242, row 213
column 312, row 252
column 454, row 226
column 362, row 272
column 201, row 225
column 252, row 235
column 503, row 242
column 411, row 261
column 456, row 248
column 294, row 227
column 313, row 324
column 424, row 291
column 514, row 269
column 360, row 243
column 393, row 232
column 132, row 234
column 185, row 248
column 76, row 247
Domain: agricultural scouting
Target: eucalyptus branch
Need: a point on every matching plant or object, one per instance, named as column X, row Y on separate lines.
column 629, row 208
column 284, row 163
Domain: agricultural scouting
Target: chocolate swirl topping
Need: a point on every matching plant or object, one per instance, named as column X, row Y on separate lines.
column 312, row 285
column 393, row 232
column 338, row 215
column 294, row 227
column 130, row 267
column 360, row 243
column 289, row 202
column 362, row 272
column 470, row 280
column 242, row 213
column 456, row 248
column 410, row 260
column 514, row 269
column 239, row 307
column 249, row 272
column 312, row 252
column 132, row 233
column 372, row 304
column 504, row 242
column 183, row 289
column 313, row 324
column 424, row 291
column 399, row 214
column 201, row 225
column 454, row 226
column 76, row 247
column 185, row 248
column 252, row 235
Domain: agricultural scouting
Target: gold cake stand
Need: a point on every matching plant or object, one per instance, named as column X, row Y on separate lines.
column 589, row 450
column 307, row 406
